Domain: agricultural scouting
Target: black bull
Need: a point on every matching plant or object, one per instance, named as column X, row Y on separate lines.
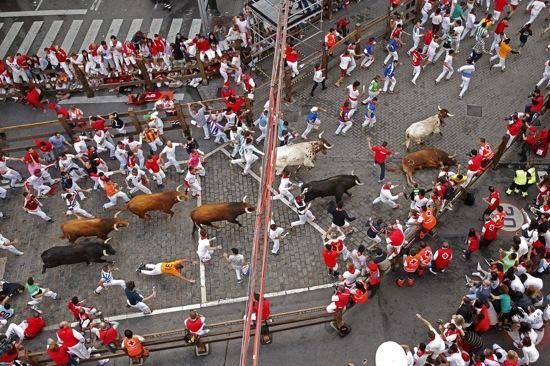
column 87, row 250
column 334, row 186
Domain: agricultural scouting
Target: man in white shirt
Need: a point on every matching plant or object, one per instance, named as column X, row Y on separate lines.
column 536, row 8
column 116, row 49
column 7, row 244
column 531, row 281
column 137, row 177
column 204, row 249
column 170, row 151
column 447, row 67
column 103, row 144
column 387, row 197
column 276, row 234
column 436, row 345
column 284, row 187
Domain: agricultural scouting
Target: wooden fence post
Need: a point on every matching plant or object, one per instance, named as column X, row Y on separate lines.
column 288, row 85
column 328, row 13
column 324, row 58
column 181, row 117
column 134, row 119
column 357, row 37
column 84, row 81
column 66, row 126
column 148, row 83
column 248, row 106
column 200, row 64
column 419, row 5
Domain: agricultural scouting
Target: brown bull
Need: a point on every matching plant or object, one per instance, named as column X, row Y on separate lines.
column 163, row 201
column 100, row 227
column 212, row 212
column 427, row 158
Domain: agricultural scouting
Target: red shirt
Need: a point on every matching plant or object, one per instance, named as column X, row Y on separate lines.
column 444, row 256
column 342, row 22
column 499, row 29
column 515, row 127
column 203, row 45
column 193, row 325
column 397, row 237
column 496, row 197
column 74, row 309
column 227, row 92
column 59, row 357
column 473, row 243
column 66, row 336
column 291, row 54
column 428, row 36
column 108, row 335
column 31, row 204
column 380, row 154
column 161, row 45
column 35, row 325
column 416, row 58
column 7, row 357
column 343, row 298
column 61, row 55
column 44, row 146
column 481, row 326
column 537, row 103
column 236, row 105
column 329, row 256
column 486, row 151
column 474, row 164
column 152, row 164
column 499, row 5
column 266, row 311
column 490, row 230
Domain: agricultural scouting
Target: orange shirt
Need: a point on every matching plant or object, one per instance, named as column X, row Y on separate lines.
column 411, row 263
column 504, row 50
column 110, row 188
column 169, row 268
column 428, row 219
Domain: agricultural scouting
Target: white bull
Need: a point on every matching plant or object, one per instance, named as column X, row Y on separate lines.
column 302, row 154
column 418, row 131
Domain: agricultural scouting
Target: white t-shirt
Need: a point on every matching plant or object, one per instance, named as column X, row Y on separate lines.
column 202, row 249
column 350, row 278
column 537, row 6
column 170, row 151
column 536, row 319
column 532, row 281
column 236, row 261
column 456, row 359
column 530, row 354
column 436, row 19
column 449, row 60
column 344, row 62
column 436, row 346
column 517, row 285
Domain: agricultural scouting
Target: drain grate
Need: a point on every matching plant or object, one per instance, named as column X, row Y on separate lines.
column 474, row 110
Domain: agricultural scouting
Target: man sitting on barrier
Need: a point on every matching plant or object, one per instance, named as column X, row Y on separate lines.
column 133, row 345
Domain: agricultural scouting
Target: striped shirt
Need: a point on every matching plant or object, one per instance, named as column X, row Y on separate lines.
column 481, row 33
column 106, row 276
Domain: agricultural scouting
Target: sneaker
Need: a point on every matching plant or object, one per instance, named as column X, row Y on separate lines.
column 479, row 267
column 477, row 274
column 36, row 309
column 433, row 272
column 489, row 263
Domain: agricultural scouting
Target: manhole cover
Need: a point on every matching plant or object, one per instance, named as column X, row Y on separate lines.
column 474, row 110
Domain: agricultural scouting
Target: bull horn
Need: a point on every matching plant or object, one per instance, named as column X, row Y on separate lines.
column 248, row 210
column 118, row 213
column 106, row 241
column 115, row 227
column 450, row 115
column 439, row 108
column 178, row 188
column 359, row 183
column 327, row 147
column 244, row 198
column 353, row 172
column 180, row 199
column 452, row 156
column 305, row 190
column 321, row 134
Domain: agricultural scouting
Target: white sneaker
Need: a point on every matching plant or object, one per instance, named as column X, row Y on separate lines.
column 479, row 267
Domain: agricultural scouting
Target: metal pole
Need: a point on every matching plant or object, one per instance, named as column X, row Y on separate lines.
column 204, row 17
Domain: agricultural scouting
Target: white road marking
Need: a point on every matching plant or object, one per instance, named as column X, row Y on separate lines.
column 50, row 36
column 93, row 4
column 39, row 5
column 195, row 28
column 1, row 25
column 29, row 38
column 10, row 37
column 283, row 200
column 114, row 28
column 71, row 35
column 134, row 27
column 92, row 33
column 155, row 27
column 42, row 13
column 97, row 5
column 175, row 27
column 208, row 304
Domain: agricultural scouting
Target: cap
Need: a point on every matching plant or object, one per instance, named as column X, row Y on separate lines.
column 314, row 109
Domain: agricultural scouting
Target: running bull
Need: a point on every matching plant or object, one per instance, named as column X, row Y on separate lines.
column 100, row 227
column 334, row 186
column 212, row 212
column 163, row 201
column 300, row 154
column 422, row 159
column 419, row 131
column 87, row 250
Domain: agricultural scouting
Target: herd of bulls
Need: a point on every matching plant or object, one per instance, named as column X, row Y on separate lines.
column 93, row 234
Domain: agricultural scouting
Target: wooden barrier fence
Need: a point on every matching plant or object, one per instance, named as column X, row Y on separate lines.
column 15, row 139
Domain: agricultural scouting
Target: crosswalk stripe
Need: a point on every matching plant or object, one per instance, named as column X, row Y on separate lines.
column 114, row 28
column 92, row 33
column 195, row 28
column 134, row 27
column 1, row 25
column 71, row 35
column 10, row 37
column 175, row 27
column 29, row 38
column 49, row 39
column 155, row 27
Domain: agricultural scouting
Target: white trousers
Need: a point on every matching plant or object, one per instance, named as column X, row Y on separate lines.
column 294, row 67
column 367, row 61
column 464, row 85
column 286, row 194
column 302, row 219
column 276, row 246
column 343, row 127
column 104, row 284
column 113, row 199
column 152, row 270
column 388, row 202
column 106, row 146
column 371, row 95
column 501, row 63
column 140, row 187
column 248, row 159
column 416, row 41
column 38, row 300
column 11, row 249
column 172, row 162
column 263, row 130
column 545, row 77
column 390, row 81
column 155, row 144
column 446, row 71
column 41, row 190
column 141, row 306
column 80, row 212
column 80, row 351
column 38, row 212
column 390, row 56
column 220, row 135
column 416, row 73
column 13, row 176
column 158, row 177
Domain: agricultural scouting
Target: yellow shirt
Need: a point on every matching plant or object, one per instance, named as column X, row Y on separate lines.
column 504, row 50
column 169, row 268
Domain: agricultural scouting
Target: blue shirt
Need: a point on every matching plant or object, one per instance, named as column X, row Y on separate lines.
column 280, row 128
column 371, row 109
column 392, row 45
column 369, row 49
column 389, row 71
column 311, row 117
column 262, row 121
column 133, row 296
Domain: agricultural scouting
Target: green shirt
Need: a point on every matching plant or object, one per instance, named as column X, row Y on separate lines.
column 374, row 86
column 507, row 262
column 505, row 303
column 32, row 289
column 457, row 12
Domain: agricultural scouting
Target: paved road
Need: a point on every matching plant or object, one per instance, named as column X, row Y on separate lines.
column 299, row 264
